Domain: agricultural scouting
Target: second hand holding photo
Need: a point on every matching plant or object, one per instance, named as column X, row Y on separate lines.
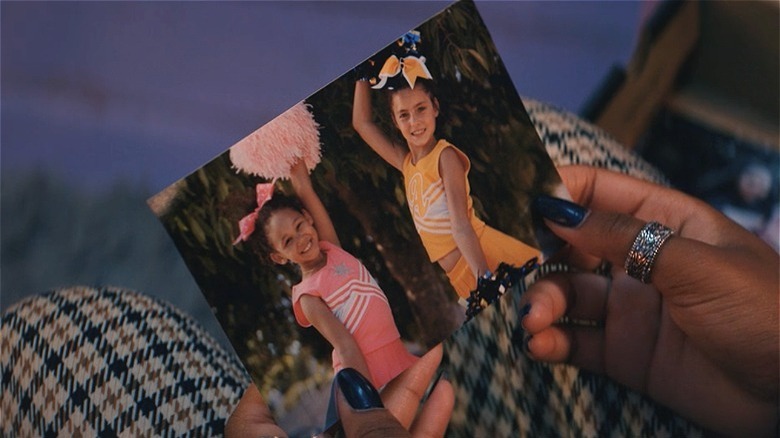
column 696, row 328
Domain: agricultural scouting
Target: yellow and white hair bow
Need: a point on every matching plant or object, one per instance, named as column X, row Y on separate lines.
column 411, row 67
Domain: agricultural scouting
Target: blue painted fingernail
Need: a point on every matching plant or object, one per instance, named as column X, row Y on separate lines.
column 518, row 335
column 524, row 311
column 441, row 375
column 527, row 341
column 560, row 211
column 358, row 391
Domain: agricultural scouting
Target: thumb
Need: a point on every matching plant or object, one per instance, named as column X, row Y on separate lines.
column 361, row 410
column 252, row 417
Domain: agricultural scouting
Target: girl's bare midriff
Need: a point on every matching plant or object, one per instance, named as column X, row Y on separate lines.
column 449, row 261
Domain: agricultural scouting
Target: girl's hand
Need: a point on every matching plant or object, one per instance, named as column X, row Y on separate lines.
column 398, row 417
column 702, row 339
column 299, row 174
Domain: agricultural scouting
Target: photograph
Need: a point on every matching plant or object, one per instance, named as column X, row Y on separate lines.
column 370, row 221
column 459, row 218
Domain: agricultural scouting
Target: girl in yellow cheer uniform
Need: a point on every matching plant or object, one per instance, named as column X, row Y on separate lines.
column 436, row 182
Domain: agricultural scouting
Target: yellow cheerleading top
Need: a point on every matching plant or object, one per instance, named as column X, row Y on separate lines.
column 428, row 201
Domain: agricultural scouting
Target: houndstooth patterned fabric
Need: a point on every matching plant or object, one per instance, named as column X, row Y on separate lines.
column 499, row 391
column 571, row 140
column 109, row 362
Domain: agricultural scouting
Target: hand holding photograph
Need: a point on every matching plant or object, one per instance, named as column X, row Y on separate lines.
column 372, row 221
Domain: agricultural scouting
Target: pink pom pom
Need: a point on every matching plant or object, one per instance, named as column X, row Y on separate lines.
column 271, row 151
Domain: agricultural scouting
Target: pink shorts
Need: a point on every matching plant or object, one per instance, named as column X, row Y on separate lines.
column 388, row 362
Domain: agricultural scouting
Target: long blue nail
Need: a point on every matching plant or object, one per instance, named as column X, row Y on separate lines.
column 527, row 341
column 560, row 211
column 525, row 310
column 358, row 391
column 441, row 375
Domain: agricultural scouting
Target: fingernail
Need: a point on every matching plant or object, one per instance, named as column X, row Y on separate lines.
column 526, row 341
column 560, row 211
column 525, row 310
column 358, row 391
column 441, row 375
column 518, row 340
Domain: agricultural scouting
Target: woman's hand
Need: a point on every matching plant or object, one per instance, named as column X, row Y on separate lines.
column 398, row 417
column 702, row 338
column 252, row 418
column 401, row 415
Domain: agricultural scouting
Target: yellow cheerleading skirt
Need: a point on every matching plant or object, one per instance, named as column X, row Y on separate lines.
column 497, row 247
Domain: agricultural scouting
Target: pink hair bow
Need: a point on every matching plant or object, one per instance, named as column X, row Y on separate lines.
column 246, row 225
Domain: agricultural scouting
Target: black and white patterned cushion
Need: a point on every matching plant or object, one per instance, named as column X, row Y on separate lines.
column 109, row 362
column 500, row 392
column 572, row 140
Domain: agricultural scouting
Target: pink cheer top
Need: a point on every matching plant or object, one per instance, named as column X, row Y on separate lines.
column 352, row 294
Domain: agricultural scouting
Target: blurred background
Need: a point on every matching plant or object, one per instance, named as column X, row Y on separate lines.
column 106, row 103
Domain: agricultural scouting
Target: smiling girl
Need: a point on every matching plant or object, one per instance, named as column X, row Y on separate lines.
column 337, row 295
column 436, row 181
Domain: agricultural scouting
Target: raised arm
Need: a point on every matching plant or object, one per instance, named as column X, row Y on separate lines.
column 363, row 122
column 301, row 182
column 332, row 329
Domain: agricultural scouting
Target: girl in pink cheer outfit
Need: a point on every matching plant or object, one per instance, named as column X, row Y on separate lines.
column 337, row 294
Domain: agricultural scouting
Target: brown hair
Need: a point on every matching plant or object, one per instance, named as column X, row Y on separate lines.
column 258, row 241
column 426, row 84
